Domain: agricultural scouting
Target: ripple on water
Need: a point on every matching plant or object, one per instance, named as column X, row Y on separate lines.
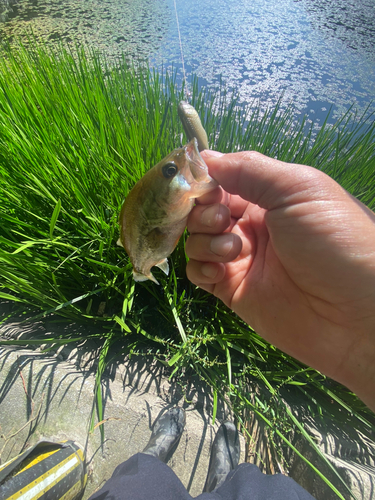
column 274, row 48
column 314, row 53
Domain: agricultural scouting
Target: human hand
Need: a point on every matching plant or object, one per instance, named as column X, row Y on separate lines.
column 293, row 254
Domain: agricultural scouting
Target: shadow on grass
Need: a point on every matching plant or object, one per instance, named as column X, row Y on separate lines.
column 47, row 383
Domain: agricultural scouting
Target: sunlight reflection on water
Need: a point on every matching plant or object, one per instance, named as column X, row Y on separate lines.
column 315, row 54
column 271, row 48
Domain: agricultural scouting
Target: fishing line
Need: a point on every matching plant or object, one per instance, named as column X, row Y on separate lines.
column 187, row 93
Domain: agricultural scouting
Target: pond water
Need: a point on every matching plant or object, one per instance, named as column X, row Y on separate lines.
column 316, row 54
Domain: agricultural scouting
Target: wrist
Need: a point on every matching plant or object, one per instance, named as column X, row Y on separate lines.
column 359, row 372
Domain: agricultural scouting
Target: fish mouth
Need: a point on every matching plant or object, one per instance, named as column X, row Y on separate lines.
column 198, row 168
column 196, row 171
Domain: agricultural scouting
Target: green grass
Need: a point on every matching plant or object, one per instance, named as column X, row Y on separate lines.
column 75, row 135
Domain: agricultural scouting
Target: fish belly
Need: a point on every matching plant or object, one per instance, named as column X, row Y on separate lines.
column 151, row 246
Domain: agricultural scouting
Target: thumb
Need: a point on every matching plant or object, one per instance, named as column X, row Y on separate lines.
column 267, row 182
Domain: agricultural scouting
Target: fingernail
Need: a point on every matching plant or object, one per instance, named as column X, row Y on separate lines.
column 209, row 270
column 222, row 245
column 211, row 216
column 212, row 153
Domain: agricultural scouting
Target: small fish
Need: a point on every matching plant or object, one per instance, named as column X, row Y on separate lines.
column 154, row 214
column 192, row 124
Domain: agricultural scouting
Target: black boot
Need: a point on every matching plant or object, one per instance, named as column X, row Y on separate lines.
column 166, row 434
column 225, row 455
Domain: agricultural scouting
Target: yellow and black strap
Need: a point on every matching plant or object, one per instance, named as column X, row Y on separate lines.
column 46, row 471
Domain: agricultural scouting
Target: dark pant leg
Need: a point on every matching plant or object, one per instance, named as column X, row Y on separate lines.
column 142, row 477
column 247, row 482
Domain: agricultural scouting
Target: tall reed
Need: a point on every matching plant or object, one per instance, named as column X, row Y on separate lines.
column 75, row 135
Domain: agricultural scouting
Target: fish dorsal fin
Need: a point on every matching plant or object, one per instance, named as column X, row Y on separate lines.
column 163, row 265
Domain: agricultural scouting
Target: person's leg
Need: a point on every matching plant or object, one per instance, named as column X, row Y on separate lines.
column 247, row 482
column 226, row 480
column 145, row 476
column 142, row 477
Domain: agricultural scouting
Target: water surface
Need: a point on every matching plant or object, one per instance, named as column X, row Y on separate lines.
column 314, row 54
column 135, row 27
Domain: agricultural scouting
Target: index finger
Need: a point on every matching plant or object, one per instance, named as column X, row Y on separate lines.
column 236, row 204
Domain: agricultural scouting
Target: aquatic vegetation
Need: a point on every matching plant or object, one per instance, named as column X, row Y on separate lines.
column 136, row 28
column 75, row 136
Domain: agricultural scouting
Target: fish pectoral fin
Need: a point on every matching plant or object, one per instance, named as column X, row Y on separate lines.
column 118, row 242
column 164, row 266
column 143, row 277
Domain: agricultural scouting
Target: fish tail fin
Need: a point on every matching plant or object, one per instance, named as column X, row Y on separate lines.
column 143, row 277
column 164, row 266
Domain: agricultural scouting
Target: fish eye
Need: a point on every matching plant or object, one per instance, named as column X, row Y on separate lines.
column 169, row 170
